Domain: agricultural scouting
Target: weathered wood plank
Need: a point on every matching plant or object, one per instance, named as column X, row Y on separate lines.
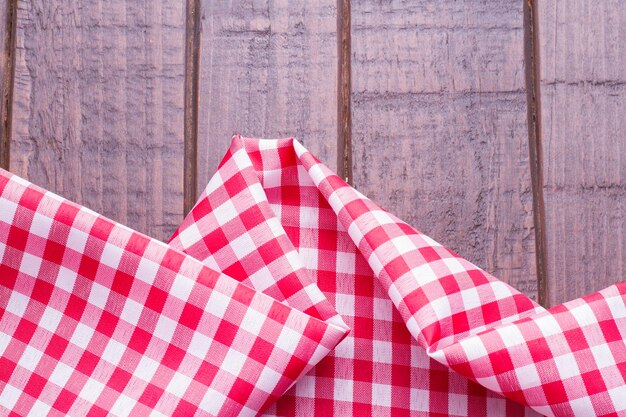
column 440, row 127
column 583, row 101
column 98, row 106
column 267, row 69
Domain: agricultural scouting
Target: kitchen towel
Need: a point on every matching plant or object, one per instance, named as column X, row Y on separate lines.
column 431, row 333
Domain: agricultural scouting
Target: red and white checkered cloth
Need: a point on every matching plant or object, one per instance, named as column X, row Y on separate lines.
column 96, row 318
column 432, row 334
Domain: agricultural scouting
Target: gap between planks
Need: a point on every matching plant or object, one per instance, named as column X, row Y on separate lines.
column 533, row 102
column 8, row 77
column 192, row 72
column 344, row 91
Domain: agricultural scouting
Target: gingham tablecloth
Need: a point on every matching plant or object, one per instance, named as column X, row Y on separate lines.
column 96, row 318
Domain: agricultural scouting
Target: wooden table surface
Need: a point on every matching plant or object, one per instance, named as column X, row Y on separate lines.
column 497, row 127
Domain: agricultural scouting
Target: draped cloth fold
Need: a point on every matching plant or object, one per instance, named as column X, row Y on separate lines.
column 432, row 334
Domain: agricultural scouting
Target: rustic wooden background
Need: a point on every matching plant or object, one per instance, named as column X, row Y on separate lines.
column 495, row 126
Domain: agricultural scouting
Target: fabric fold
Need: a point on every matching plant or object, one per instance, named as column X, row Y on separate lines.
column 569, row 360
column 432, row 334
column 97, row 319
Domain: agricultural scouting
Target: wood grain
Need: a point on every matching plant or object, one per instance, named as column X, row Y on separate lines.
column 583, row 88
column 267, row 69
column 98, row 106
column 440, row 131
